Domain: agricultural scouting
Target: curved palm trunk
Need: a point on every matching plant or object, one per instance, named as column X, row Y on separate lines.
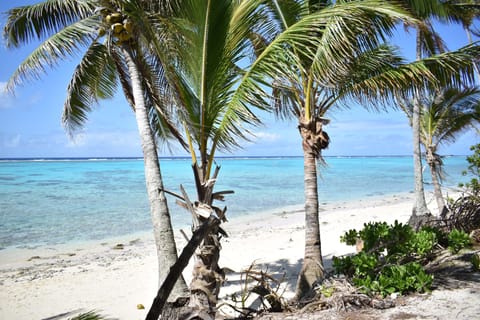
column 162, row 226
column 314, row 139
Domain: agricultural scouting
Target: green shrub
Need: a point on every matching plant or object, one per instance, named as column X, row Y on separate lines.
column 423, row 242
column 410, row 277
column 474, row 170
column 386, row 263
column 476, row 261
column 457, row 240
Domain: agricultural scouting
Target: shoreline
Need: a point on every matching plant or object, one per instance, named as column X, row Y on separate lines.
column 101, row 275
column 325, row 206
column 48, row 281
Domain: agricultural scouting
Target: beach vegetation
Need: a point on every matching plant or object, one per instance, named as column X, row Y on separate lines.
column 90, row 315
column 473, row 186
column 390, row 260
column 350, row 64
column 444, row 115
column 476, row 261
column 100, row 32
column 457, row 240
column 464, row 212
column 394, row 256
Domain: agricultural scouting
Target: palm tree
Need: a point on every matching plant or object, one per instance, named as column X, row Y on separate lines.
column 428, row 43
column 103, row 31
column 212, row 42
column 215, row 93
column 345, row 67
column 443, row 116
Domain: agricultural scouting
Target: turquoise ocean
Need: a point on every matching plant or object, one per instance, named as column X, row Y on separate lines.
column 57, row 201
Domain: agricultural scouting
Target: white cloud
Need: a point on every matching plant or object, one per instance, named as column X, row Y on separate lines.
column 12, row 141
column 108, row 139
column 266, row 136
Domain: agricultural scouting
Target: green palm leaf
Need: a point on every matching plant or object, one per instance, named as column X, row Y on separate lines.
column 35, row 22
column 93, row 79
column 91, row 315
column 62, row 44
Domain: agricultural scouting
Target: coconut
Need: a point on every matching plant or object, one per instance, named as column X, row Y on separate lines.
column 117, row 28
column 123, row 36
column 128, row 26
column 116, row 17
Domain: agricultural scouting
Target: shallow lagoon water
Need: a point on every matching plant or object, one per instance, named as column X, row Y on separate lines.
column 54, row 201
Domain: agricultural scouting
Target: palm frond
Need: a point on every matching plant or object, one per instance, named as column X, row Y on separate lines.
column 91, row 315
column 37, row 21
column 64, row 43
column 455, row 68
column 445, row 114
column 94, row 78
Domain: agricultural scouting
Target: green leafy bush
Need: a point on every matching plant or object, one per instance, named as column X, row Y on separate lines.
column 386, row 263
column 392, row 256
column 410, row 277
column 457, row 240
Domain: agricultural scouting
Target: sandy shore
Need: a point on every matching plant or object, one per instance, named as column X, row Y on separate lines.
column 47, row 282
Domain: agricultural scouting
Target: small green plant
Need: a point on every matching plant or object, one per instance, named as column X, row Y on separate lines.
column 476, row 261
column 410, row 277
column 387, row 263
column 457, row 240
column 423, row 242
column 474, row 170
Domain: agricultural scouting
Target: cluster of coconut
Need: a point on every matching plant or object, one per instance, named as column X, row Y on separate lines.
column 119, row 24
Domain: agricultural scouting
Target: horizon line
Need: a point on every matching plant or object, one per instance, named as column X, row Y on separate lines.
column 219, row 157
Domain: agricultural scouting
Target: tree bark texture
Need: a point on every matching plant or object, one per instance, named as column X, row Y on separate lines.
column 177, row 269
column 207, row 277
column 420, row 210
column 314, row 140
column 162, row 226
column 420, row 206
column 435, row 163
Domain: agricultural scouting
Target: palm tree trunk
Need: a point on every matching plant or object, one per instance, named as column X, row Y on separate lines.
column 433, row 163
column 162, row 226
column 312, row 269
column 420, row 211
column 207, row 277
column 437, row 189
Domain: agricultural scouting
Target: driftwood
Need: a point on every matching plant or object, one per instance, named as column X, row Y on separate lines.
column 341, row 295
column 179, row 266
column 464, row 214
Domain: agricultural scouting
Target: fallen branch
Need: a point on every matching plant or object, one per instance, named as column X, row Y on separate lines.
column 179, row 266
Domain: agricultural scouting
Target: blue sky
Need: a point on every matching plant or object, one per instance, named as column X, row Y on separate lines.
column 30, row 121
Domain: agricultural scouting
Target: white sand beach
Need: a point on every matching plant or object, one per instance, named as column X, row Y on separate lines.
column 47, row 282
